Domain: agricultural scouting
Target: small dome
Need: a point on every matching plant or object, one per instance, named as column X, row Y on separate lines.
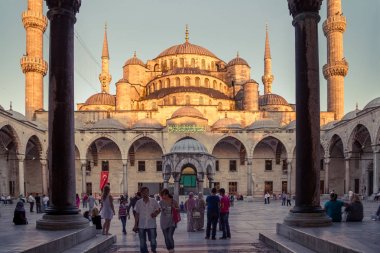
column 188, row 145
column 17, row 115
column 372, row 104
column 227, row 123
column 291, row 125
column 101, row 99
column 272, row 99
column 187, row 111
column 251, row 81
column 263, row 124
column 110, row 124
column 350, row 115
column 147, row 123
column 237, row 61
column 186, row 48
column 329, row 125
column 134, row 61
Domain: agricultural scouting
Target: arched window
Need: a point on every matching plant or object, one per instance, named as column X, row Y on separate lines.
column 197, row 81
column 182, row 62
column 220, row 106
column 193, row 63
column 203, row 64
column 142, row 106
column 177, row 82
column 187, row 81
column 171, row 63
column 225, row 88
column 160, row 85
column 154, row 106
column 207, row 83
column 156, row 67
column 187, row 100
column 174, row 101
column 212, row 65
column 154, row 87
column 175, row 63
column 201, row 100
column 220, row 87
column 214, row 85
column 167, row 85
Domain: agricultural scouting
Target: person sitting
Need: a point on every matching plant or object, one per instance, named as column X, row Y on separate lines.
column 19, row 217
column 333, row 208
column 96, row 218
column 354, row 209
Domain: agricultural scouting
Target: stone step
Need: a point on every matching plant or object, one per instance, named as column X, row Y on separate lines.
column 282, row 244
column 64, row 242
column 312, row 242
column 97, row 244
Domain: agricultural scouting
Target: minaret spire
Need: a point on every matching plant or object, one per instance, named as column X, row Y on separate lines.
column 187, row 34
column 267, row 78
column 105, row 77
column 32, row 63
column 337, row 67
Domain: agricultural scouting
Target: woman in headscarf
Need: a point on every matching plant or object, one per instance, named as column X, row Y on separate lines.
column 190, row 207
column 201, row 207
column 19, row 217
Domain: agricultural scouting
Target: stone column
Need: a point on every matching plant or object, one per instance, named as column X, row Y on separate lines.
column 200, row 179
column 210, row 178
column 347, row 174
column 249, row 177
column 376, row 164
column 21, row 177
column 307, row 210
column 327, row 163
column 62, row 212
column 83, row 166
column 44, row 177
column 125, row 176
column 289, row 168
column 177, row 177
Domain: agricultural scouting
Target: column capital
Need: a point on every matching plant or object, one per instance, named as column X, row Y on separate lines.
column 347, row 155
column 176, row 176
column 125, row 162
column 43, row 162
column 289, row 160
column 69, row 5
column 327, row 160
column 249, row 161
column 299, row 6
column 20, row 157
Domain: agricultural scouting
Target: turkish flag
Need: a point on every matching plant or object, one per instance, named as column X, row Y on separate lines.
column 103, row 179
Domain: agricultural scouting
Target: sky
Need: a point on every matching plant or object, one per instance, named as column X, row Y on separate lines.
column 222, row 26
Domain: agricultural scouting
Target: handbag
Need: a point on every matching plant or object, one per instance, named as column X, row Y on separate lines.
column 176, row 215
column 196, row 214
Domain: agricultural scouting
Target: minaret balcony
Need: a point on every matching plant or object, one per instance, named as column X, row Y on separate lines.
column 35, row 20
column 335, row 23
column 335, row 68
column 33, row 64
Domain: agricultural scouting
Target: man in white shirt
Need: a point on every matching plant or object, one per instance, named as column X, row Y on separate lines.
column 45, row 200
column 31, row 201
column 147, row 210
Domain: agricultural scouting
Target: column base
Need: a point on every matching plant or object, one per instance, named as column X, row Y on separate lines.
column 62, row 222
column 317, row 219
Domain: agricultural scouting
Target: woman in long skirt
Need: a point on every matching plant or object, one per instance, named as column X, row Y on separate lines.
column 190, row 206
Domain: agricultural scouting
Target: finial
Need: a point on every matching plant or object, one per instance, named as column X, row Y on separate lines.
column 357, row 106
column 187, row 33
column 10, row 106
column 237, row 54
column 105, row 53
column 105, row 26
column 134, row 54
column 267, row 47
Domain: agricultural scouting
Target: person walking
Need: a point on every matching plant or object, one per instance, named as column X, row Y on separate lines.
column 289, row 199
column 283, row 198
column 147, row 210
column 77, row 201
column 224, row 213
column 107, row 209
column 213, row 205
column 201, row 206
column 85, row 200
column 168, row 225
column 123, row 214
column 38, row 203
column 31, row 201
column 192, row 212
column 45, row 201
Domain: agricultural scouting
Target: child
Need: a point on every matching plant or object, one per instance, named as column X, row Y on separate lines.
column 123, row 213
column 182, row 207
column 96, row 219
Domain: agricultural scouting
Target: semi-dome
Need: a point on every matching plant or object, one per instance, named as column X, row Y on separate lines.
column 372, row 104
column 251, row 81
column 147, row 123
column 186, row 48
column 329, row 125
column 272, row 99
column 187, row 111
column 17, row 115
column 108, row 124
column 101, row 99
column 134, row 61
column 227, row 123
column 188, row 145
column 291, row 125
column 263, row 124
column 350, row 115
column 237, row 61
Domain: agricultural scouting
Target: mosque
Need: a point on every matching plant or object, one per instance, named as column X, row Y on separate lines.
column 188, row 120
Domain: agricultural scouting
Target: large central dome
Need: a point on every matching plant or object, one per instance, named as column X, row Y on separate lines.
column 186, row 48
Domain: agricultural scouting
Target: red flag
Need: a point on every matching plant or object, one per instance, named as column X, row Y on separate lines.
column 103, row 179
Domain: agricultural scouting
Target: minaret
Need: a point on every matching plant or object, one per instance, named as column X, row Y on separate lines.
column 267, row 78
column 337, row 67
column 105, row 77
column 32, row 63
